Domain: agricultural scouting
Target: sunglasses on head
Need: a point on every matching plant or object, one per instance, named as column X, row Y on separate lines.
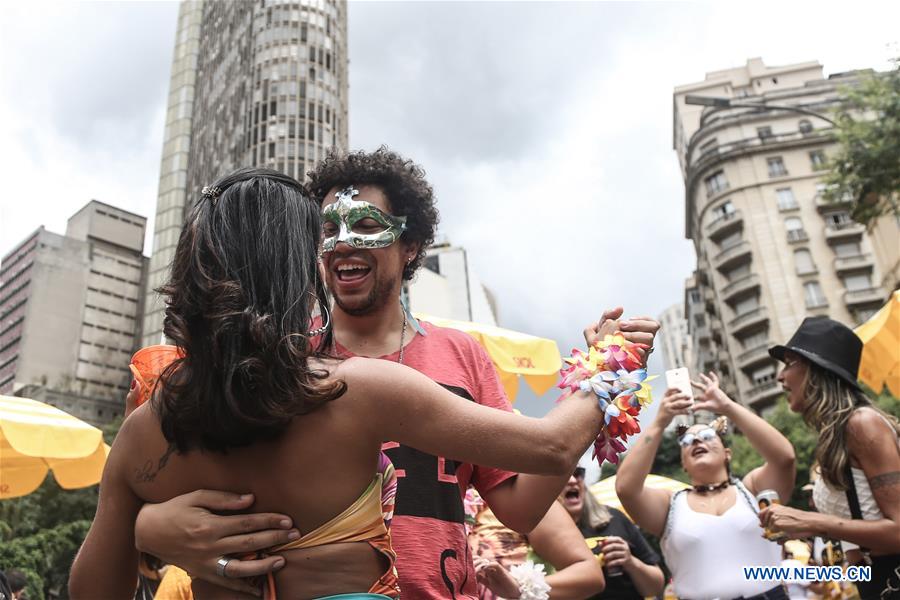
column 579, row 473
column 707, row 434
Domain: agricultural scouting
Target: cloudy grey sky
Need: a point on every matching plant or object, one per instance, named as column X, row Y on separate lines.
column 545, row 128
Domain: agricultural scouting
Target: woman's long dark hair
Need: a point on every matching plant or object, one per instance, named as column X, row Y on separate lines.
column 244, row 280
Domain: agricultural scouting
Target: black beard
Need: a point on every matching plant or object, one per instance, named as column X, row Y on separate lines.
column 378, row 297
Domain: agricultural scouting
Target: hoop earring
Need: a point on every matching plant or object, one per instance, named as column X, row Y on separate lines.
column 323, row 309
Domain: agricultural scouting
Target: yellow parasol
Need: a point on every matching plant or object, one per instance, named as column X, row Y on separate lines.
column 880, row 363
column 514, row 354
column 36, row 437
column 605, row 490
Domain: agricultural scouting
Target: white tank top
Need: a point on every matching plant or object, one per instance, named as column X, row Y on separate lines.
column 834, row 502
column 706, row 553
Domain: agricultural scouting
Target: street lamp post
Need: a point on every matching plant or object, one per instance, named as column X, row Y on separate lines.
column 729, row 103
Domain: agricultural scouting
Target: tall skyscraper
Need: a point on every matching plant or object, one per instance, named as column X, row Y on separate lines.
column 770, row 250
column 673, row 338
column 252, row 84
column 70, row 312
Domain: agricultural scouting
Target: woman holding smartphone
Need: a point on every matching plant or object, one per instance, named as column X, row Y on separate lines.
column 710, row 532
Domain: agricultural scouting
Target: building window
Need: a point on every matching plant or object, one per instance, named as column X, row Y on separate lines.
column 859, row 281
column 805, row 127
column 847, row 249
column 817, row 159
column 764, row 133
column 838, row 220
column 776, row 166
column 746, row 306
column 738, row 273
column 730, row 241
column 815, row 298
column 795, row 231
column 716, row 183
column 755, row 340
column 763, row 375
column 786, row 200
column 804, row 262
column 723, row 211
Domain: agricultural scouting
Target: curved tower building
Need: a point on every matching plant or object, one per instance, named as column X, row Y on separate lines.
column 260, row 83
column 770, row 250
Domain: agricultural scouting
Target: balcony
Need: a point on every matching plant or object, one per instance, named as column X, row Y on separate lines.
column 797, row 235
column 748, row 320
column 872, row 295
column 838, row 232
column 824, row 206
column 754, row 356
column 701, row 332
column 857, row 262
column 763, row 394
column 724, row 224
column 733, row 256
column 740, row 287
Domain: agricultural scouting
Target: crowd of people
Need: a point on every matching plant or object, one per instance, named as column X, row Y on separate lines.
column 261, row 464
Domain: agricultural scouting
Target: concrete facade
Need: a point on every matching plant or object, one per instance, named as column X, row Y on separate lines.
column 673, row 339
column 446, row 286
column 770, row 250
column 253, row 84
column 70, row 310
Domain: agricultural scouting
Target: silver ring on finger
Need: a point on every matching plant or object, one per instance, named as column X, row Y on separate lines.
column 221, row 565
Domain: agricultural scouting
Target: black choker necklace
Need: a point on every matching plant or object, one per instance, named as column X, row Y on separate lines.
column 711, row 487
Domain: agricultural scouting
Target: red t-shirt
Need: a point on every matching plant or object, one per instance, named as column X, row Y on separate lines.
column 428, row 529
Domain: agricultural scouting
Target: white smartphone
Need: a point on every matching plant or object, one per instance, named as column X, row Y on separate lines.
column 680, row 378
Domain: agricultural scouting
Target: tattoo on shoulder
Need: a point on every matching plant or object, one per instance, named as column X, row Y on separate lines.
column 885, row 480
column 147, row 472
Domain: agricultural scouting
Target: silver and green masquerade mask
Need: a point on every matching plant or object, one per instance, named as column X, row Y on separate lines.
column 359, row 224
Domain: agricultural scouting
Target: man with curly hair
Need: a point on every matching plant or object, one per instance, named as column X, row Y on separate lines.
column 379, row 219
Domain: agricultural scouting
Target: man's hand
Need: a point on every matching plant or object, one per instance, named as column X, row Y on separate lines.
column 131, row 400
column 616, row 552
column 184, row 532
column 639, row 330
column 496, row 578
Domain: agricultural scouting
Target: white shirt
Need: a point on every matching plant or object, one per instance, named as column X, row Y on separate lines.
column 706, row 553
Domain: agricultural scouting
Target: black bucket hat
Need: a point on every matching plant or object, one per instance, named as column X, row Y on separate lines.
column 827, row 344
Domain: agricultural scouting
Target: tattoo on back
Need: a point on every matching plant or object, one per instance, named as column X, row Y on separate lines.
column 885, row 480
column 147, row 472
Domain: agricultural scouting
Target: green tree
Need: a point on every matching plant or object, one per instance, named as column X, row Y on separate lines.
column 41, row 532
column 866, row 167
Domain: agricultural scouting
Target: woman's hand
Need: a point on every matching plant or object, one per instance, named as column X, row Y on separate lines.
column 711, row 397
column 673, row 403
column 794, row 522
column 493, row 576
column 616, row 552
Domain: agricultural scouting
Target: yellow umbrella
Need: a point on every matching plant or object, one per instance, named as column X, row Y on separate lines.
column 514, row 354
column 605, row 491
column 880, row 363
column 36, row 437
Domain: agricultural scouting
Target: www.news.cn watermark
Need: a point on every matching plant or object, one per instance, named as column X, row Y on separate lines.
column 808, row 574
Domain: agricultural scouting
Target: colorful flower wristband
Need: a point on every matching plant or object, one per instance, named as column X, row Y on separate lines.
column 612, row 370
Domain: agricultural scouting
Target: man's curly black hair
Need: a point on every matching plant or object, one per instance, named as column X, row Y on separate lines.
column 402, row 181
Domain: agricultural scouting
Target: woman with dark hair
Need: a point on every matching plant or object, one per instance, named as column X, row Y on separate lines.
column 857, row 492
column 709, row 532
column 257, row 404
